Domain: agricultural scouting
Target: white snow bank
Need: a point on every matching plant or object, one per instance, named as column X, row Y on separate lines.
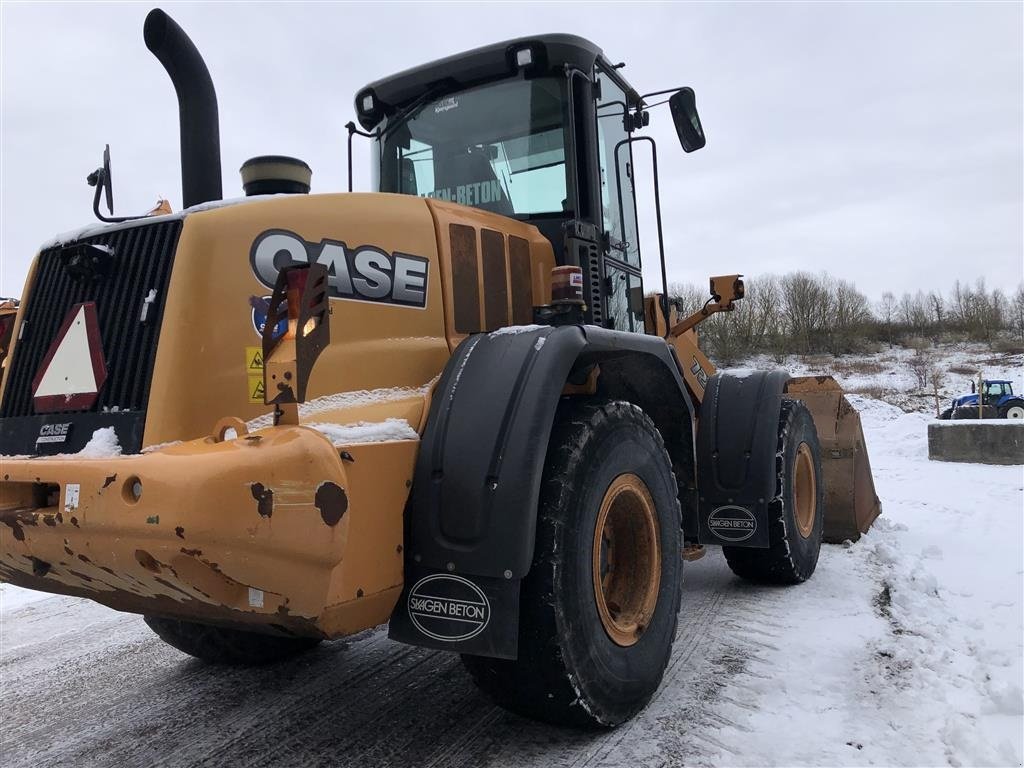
column 367, row 431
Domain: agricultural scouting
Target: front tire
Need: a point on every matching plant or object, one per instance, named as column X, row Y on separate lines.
column 600, row 603
column 796, row 515
column 219, row 645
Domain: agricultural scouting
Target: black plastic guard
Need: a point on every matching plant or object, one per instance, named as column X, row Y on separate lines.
column 472, row 510
column 469, row 614
column 736, row 444
column 474, row 493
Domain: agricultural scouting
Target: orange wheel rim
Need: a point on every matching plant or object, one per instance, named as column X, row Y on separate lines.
column 626, row 560
column 805, row 490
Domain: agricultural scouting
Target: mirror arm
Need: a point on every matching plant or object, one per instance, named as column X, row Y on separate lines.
column 661, row 93
column 98, row 179
column 353, row 131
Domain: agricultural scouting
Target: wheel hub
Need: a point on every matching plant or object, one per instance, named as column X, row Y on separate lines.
column 805, row 490
column 626, row 560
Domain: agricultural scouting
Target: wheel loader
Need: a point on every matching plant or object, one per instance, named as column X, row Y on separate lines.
column 449, row 404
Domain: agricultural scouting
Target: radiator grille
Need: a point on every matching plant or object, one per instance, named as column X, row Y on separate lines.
column 142, row 260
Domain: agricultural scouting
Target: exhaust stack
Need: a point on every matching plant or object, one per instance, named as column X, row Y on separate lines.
column 197, row 108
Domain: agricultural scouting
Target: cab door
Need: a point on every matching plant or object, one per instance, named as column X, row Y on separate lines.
column 623, row 282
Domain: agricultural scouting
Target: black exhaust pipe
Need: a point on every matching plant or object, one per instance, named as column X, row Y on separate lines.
column 197, row 108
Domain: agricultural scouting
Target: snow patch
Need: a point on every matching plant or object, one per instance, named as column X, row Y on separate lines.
column 513, row 330
column 341, row 400
column 366, row 432
column 102, row 445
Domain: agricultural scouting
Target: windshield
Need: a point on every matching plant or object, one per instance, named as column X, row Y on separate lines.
column 500, row 147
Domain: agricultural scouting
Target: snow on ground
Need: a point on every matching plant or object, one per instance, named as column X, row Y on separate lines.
column 12, row 598
column 905, row 648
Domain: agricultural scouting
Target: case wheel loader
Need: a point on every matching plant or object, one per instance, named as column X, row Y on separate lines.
column 446, row 405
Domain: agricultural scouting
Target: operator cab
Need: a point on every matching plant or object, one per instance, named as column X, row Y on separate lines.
column 538, row 129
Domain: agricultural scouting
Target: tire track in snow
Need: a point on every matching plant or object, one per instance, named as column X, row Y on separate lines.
column 83, row 685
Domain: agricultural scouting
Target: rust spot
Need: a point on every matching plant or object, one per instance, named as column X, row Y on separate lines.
column 108, row 570
column 359, row 593
column 332, row 501
column 39, row 567
column 147, row 561
column 84, row 559
column 264, row 499
column 60, row 517
column 191, row 552
column 74, row 521
column 398, row 549
column 282, row 610
column 179, row 532
column 81, row 576
column 50, row 521
column 16, row 529
column 68, row 550
column 110, row 479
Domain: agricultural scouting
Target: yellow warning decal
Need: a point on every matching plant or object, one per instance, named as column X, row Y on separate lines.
column 254, row 359
column 256, row 389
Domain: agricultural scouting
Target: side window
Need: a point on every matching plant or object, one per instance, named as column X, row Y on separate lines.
column 617, row 195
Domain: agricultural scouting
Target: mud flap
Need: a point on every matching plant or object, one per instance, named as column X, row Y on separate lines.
column 461, row 613
column 737, row 439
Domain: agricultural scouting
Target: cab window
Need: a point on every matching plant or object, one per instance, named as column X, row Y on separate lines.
column 617, row 193
column 500, row 147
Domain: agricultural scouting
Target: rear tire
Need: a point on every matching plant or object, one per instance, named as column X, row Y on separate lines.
column 599, row 605
column 946, row 415
column 219, row 645
column 1012, row 410
column 796, row 514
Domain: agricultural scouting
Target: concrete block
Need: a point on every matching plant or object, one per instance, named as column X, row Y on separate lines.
column 982, row 441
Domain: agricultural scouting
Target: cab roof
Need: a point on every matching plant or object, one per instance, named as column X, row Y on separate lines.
column 550, row 53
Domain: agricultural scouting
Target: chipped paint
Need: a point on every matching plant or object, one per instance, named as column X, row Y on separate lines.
column 264, row 499
column 332, row 501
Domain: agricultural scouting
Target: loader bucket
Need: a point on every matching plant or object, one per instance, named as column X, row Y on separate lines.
column 851, row 504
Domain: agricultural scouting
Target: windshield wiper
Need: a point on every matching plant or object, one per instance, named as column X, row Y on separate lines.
column 403, row 116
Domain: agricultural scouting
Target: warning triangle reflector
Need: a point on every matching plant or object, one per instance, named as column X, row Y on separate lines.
column 73, row 371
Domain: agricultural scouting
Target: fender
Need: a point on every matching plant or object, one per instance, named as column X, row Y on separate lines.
column 736, row 444
column 471, row 517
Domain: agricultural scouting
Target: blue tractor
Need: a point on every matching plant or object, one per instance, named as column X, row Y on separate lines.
column 997, row 401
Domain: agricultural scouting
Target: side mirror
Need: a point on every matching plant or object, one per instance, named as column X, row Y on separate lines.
column 683, row 104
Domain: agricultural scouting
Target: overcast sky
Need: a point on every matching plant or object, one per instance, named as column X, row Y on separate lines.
column 879, row 142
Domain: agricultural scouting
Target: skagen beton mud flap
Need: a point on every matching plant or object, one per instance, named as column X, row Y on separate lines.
column 465, row 614
column 736, row 442
column 472, row 510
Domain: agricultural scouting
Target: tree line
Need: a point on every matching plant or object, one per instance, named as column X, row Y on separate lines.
column 805, row 313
